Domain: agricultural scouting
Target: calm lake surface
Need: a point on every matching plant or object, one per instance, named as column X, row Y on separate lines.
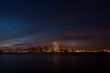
column 54, row 63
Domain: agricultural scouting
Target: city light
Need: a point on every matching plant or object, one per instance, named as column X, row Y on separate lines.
column 55, row 48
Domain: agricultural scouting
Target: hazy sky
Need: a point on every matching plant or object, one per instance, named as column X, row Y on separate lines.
column 77, row 23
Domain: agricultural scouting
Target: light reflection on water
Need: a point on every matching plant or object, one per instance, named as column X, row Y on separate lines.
column 55, row 63
column 37, row 63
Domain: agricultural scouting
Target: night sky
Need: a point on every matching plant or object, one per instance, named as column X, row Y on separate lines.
column 75, row 23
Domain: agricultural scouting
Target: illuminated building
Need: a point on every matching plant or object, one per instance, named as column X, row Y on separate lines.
column 55, row 47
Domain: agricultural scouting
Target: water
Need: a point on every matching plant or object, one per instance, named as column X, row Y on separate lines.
column 51, row 63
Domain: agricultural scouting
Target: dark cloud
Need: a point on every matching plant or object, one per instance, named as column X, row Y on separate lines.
column 74, row 23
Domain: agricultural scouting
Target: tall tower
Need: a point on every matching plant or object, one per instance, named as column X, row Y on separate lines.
column 55, row 47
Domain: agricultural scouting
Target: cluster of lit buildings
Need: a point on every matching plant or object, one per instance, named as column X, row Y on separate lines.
column 55, row 47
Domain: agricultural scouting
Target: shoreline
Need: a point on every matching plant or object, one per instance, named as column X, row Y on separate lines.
column 60, row 53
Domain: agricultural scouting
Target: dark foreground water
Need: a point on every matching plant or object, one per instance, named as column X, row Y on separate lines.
column 54, row 63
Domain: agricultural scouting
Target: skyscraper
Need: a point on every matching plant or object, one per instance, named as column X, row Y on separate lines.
column 55, row 47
